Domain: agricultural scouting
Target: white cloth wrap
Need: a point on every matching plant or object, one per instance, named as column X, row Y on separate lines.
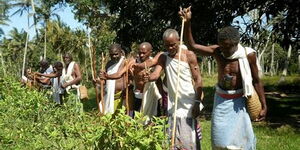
column 110, row 88
column 244, row 66
column 67, row 77
column 151, row 96
column 186, row 92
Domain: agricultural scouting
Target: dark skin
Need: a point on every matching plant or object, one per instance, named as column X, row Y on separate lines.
column 171, row 43
column 115, row 55
column 57, row 72
column 76, row 74
column 226, row 67
column 137, row 73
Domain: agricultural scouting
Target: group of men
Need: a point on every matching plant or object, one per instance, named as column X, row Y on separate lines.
column 158, row 80
column 237, row 79
column 62, row 78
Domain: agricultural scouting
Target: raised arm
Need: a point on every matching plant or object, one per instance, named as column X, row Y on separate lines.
column 51, row 75
column 258, row 85
column 149, row 62
column 203, row 50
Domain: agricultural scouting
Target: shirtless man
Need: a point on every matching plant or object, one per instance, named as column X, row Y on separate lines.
column 114, row 86
column 144, row 54
column 231, row 125
column 189, row 89
column 71, row 73
column 45, row 68
column 58, row 91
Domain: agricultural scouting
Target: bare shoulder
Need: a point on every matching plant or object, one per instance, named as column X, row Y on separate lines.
column 76, row 67
column 252, row 58
column 191, row 56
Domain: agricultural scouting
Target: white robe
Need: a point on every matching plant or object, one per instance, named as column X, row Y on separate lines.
column 110, row 88
column 186, row 92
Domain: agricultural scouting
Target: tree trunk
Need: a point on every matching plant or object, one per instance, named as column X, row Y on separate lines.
column 284, row 73
column 298, row 60
column 2, row 64
column 272, row 61
column 26, row 46
column 262, row 64
column 265, row 47
column 45, row 40
column 85, row 67
column 209, row 67
column 277, row 66
column 34, row 19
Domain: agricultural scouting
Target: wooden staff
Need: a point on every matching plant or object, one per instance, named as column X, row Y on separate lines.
column 147, row 73
column 126, row 83
column 102, row 83
column 177, row 85
column 93, row 68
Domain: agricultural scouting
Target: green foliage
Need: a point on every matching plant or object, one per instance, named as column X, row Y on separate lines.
column 145, row 20
column 28, row 120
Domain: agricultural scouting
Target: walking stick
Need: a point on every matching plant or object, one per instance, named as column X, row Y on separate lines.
column 102, row 83
column 93, row 68
column 177, row 85
column 126, row 83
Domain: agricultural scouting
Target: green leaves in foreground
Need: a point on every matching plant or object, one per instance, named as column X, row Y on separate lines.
column 28, row 120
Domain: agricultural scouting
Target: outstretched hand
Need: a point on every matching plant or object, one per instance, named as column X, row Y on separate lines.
column 185, row 13
column 103, row 75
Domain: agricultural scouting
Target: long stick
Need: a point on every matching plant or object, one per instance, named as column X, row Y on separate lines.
column 126, row 83
column 102, row 84
column 177, row 85
column 93, row 68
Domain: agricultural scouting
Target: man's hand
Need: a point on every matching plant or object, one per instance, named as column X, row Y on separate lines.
column 146, row 77
column 37, row 73
column 196, row 110
column 137, row 66
column 262, row 115
column 103, row 75
column 95, row 81
column 64, row 85
column 185, row 13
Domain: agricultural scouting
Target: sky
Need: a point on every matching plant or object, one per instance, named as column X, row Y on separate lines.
column 20, row 22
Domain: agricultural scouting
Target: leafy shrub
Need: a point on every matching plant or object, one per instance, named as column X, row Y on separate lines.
column 28, row 120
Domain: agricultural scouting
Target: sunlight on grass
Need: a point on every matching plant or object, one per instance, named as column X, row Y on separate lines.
column 284, row 137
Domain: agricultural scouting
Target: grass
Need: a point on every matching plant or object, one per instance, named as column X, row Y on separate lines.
column 284, row 137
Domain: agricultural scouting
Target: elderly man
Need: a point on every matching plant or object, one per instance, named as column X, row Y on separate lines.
column 237, row 74
column 189, row 89
column 113, row 98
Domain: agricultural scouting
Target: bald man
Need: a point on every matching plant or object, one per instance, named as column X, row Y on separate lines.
column 189, row 89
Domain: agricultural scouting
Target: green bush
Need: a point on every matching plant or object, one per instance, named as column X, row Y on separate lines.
column 28, row 120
